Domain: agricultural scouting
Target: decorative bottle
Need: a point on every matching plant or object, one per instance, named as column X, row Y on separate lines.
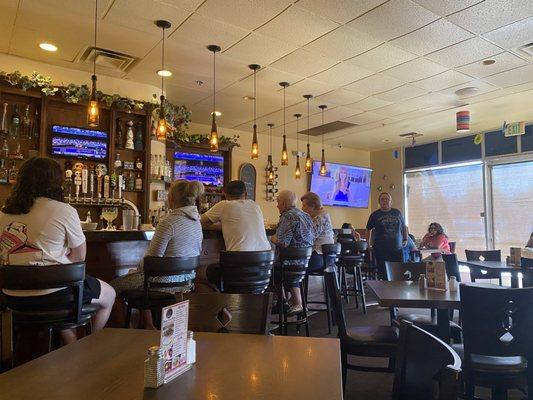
column 3, row 171
column 119, row 134
column 5, row 149
column 139, row 164
column 139, row 137
column 138, row 182
column 154, row 368
column 129, row 136
column 3, row 123
column 13, row 172
column 26, row 122
column 15, row 123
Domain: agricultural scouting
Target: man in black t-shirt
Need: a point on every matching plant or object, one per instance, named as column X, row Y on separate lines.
column 386, row 233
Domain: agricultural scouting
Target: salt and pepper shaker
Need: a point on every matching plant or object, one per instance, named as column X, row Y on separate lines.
column 422, row 281
column 453, row 284
column 154, row 368
column 191, row 348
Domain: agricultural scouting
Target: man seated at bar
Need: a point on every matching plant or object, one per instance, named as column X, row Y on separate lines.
column 241, row 221
column 312, row 205
column 179, row 234
column 295, row 229
column 47, row 232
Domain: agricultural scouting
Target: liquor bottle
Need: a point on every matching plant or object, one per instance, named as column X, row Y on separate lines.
column 3, row 171
column 13, row 171
column 3, row 124
column 168, row 175
column 15, row 123
column 4, row 152
column 139, row 164
column 138, row 182
column 130, row 181
column 26, row 122
column 153, row 132
column 139, row 136
column 118, row 162
column 129, row 136
column 119, row 134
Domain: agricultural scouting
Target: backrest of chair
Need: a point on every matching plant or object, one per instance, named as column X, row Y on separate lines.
column 6, row 340
column 352, row 247
column 423, row 359
column 497, row 321
column 452, row 246
column 488, row 255
column 334, row 294
column 330, row 253
column 246, row 271
column 228, row 313
column 452, row 266
column 399, row 271
column 295, row 253
column 166, row 266
column 345, row 237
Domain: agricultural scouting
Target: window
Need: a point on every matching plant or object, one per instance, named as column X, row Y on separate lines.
column 496, row 144
column 451, row 196
column 461, row 149
column 424, row 155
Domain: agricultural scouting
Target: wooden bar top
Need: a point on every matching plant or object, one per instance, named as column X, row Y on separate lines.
column 108, row 365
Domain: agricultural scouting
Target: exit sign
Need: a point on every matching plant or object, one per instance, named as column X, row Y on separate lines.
column 514, row 129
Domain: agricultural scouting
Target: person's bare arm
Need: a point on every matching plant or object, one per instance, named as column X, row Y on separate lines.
column 77, row 254
column 205, row 221
column 405, row 234
column 369, row 237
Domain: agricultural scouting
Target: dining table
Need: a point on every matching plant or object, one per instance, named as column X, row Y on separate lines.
column 109, row 365
column 408, row 294
column 495, row 266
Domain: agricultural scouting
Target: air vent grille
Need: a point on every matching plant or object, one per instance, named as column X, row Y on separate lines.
column 327, row 128
column 108, row 59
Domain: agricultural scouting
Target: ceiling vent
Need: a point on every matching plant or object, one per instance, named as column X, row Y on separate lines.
column 107, row 59
column 527, row 49
column 327, row 128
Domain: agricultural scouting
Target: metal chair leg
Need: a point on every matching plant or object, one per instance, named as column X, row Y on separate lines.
column 328, row 305
column 359, row 276
column 128, row 317
column 306, row 319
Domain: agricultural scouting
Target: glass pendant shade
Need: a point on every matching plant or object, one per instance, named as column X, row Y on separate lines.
column 297, row 172
column 323, row 169
column 308, row 160
column 213, row 138
column 93, row 112
column 161, row 132
column 255, row 145
column 284, row 153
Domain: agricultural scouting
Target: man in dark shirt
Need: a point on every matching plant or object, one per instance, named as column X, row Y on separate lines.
column 386, row 233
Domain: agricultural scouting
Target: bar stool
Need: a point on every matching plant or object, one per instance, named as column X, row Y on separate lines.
column 292, row 274
column 330, row 253
column 246, row 271
column 151, row 296
column 351, row 260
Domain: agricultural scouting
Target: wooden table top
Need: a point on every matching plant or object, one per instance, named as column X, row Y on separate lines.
column 109, row 365
column 408, row 294
column 492, row 265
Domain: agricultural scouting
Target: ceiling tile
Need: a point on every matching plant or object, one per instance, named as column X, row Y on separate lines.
column 340, row 11
column 382, row 57
column 401, row 93
column 396, row 109
column 337, row 113
column 442, row 81
column 244, row 13
column 432, row 37
column 342, row 43
column 504, row 62
column 303, row 63
column 365, row 118
column 190, row 5
column 339, row 97
column 470, row 50
column 207, row 31
column 492, row 14
column 259, row 49
column 513, row 35
column 415, row 70
column 8, row 10
column 274, row 75
column 369, row 104
column 446, row 7
column 393, row 19
column 297, row 26
column 341, row 74
column 431, row 100
column 513, row 77
column 309, row 86
column 374, row 84
column 483, row 87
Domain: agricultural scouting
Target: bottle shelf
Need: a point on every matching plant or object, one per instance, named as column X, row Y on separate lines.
column 133, row 191
column 122, row 149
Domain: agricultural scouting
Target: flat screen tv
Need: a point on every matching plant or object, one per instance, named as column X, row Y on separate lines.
column 68, row 141
column 344, row 185
column 206, row 168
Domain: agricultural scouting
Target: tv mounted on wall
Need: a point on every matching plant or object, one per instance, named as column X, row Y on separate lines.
column 344, row 185
column 72, row 142
column 206, row 168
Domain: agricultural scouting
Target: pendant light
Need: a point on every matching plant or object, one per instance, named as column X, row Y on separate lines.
column 270, row 165
column 323, row 170
column 284, row 153
column 93, row 113
column 213, row 137
column 462, row 119
column 161, row 131
column 308, row 160
column 297, row 172
column 255, row 144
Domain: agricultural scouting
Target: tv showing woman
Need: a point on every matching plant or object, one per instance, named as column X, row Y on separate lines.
column 342, row 185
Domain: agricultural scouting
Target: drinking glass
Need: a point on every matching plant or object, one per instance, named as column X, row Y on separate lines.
column 127, row 219
column 109, row 214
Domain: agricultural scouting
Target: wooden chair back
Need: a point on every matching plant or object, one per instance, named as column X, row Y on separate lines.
column 246, row 271
column 421, row 360
column 399, row 271
column 228, row 312
column 6, row 340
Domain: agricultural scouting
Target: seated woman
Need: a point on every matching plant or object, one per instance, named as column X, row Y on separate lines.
column 177, row 235
column 354, row 235
column 435, row 238
column 312, row 205
column 47, row 232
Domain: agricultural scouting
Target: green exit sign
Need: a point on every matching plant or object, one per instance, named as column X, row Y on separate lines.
column 515, row 129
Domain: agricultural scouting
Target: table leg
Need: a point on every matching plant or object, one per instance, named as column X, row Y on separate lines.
column 443, row 324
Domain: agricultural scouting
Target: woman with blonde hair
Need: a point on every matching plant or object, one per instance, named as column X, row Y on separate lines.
column 342, row 185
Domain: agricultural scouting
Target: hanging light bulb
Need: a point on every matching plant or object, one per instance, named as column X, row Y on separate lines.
column 93, row 112
column 270, row 165
column 255, row 144
column 308, row 160
column 323, row 169
column 297, row 172
column 161, row 132
column 213, row 137
column 284, row 153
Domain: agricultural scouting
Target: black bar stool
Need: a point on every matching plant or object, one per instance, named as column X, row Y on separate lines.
column 330, row 253
column 246, row 271
column 351, row 261
column 292, row 274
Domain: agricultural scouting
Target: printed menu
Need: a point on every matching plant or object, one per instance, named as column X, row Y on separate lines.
column 436, row 275
column 174, row 322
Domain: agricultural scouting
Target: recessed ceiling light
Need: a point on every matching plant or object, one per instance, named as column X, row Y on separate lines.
column 164, row 72
column 467, row 91
column 217, row 113
column 248, row 97
column 385, row 140
column 48, row 46
column 489, row 62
